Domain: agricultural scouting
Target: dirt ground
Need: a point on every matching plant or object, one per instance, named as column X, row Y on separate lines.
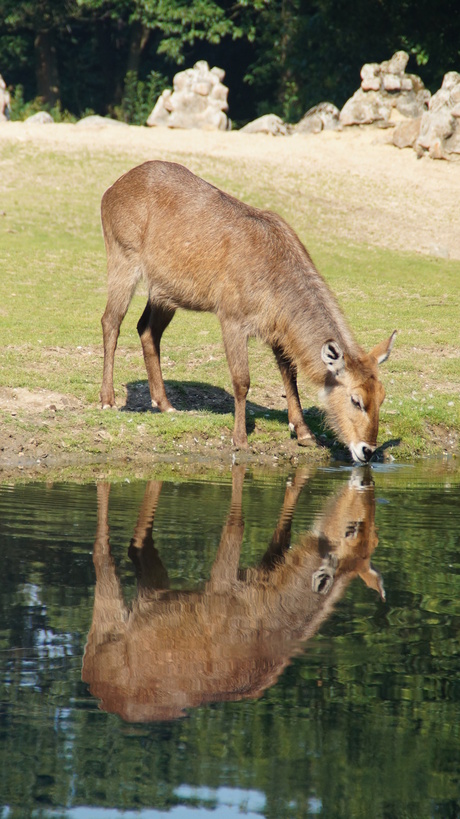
column 370, row 191
column 388, row 196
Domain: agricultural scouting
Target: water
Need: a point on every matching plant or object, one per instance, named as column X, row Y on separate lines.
column 149, row 669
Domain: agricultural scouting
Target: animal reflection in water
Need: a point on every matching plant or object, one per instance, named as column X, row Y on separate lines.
column 173, row 650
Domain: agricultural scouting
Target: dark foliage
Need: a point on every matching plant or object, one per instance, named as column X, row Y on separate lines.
column 282, row 56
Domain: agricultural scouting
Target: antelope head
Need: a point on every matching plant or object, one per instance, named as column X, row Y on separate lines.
column 354, row 394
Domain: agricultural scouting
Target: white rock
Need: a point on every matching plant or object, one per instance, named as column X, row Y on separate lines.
column 198, row 100
column 40, row 118
column 268, row 124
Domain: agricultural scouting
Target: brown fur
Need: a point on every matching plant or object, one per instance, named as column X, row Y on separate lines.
column 172, row 650
column 200, row 249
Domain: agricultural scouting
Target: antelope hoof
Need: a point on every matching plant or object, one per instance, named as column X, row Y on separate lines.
column 306, row 440
column 162, row 406
column 240, row 444
column 109, row 406
column 303, row 435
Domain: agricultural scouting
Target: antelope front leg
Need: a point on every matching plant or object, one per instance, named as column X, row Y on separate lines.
column 281, row 539
column 236, row 349
column 295, row 415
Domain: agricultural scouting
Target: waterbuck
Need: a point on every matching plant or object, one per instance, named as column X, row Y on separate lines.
column 170, row 650
column 198, row 248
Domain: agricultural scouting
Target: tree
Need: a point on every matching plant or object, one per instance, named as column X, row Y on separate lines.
column 309, row 51
column 41, row 23
column 111, row 41
column 280, row 55
column 163, row 27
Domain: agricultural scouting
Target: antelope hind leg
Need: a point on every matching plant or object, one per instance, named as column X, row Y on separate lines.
column 122, row 278
column 151, row 327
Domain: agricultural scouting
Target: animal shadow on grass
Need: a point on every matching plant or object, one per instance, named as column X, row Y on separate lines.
column 185, row 396
column 198, row 396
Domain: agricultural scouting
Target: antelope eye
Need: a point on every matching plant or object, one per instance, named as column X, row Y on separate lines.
column 357, row 402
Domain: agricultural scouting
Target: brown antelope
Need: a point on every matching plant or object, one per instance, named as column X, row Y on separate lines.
column 200, row 249
column 173, row 650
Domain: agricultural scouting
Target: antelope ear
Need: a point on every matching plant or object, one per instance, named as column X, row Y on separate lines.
column 332, row 356
column 374, row 580
column 382, row 351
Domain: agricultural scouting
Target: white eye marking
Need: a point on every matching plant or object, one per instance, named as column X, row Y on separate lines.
column 357, row 402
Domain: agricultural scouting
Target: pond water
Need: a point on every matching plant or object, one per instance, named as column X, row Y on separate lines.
column 250, row 643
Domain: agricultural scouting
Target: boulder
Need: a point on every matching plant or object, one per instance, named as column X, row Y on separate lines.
column 365, row 107
column 440, row 126
column 385, row 87
column 97, row 122
column 40, row 118
column 452, row 143
column 406, row 133
column 370, row 77
column 268, row 124
column 198, row 100
column 4, row 101
column 322, row 117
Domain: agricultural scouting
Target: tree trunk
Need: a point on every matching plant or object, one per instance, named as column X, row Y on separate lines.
column 110, row 72
column 46, row 68
column 138, row 40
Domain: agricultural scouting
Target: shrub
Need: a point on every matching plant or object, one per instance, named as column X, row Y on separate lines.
column 140, row 96
column 21, row 110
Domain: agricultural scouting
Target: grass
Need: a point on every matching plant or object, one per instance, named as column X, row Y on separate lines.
column 52, row 295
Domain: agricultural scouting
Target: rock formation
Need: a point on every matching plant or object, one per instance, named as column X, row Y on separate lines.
column 385, row 88
column 440, row 125
column 406, row 132
column 322, row 117
column 4, row 101
column 198, row 100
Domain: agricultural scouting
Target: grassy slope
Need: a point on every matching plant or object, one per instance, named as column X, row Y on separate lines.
column 52, row 294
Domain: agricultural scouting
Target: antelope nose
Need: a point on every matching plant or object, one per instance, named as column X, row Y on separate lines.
column 368, row 452
column 362, row 452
